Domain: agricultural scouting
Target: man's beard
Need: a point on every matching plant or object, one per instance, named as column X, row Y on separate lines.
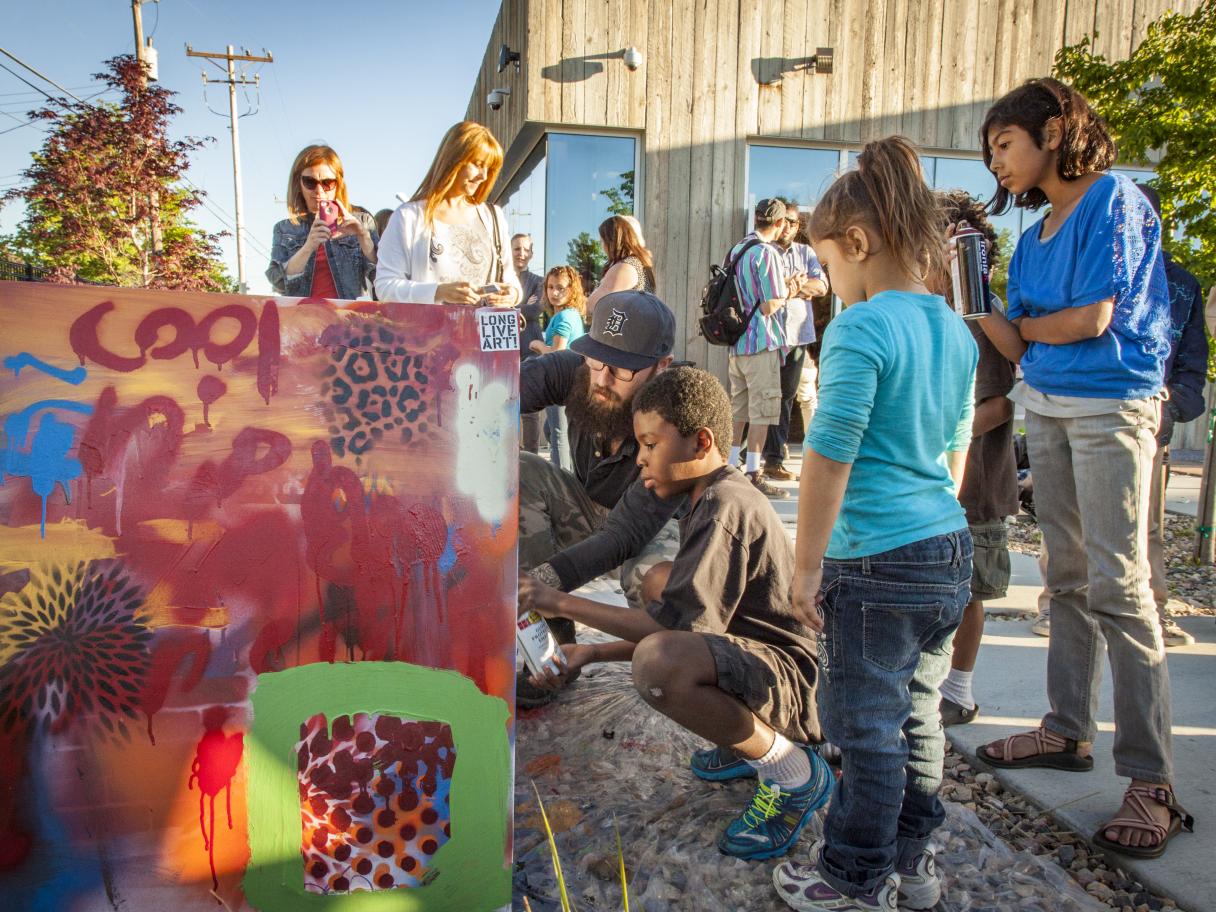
column 609, row 418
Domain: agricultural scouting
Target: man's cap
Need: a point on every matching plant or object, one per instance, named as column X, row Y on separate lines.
column 770, row 211
column 630, row 330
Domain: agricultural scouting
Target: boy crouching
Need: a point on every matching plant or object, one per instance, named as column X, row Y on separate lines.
column 717, row 649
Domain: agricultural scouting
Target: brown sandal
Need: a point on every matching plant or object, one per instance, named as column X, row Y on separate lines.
column 1144, row 822
column 1050, row 752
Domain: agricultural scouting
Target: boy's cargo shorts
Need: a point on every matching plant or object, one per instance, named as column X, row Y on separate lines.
column 990, row 565
column 769, row 683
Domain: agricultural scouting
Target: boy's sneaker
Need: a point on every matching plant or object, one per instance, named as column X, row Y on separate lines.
column 775, row 818
column 1042, row 626
column 718, row 765
column 956, row 714
column 802, row 888
column 764, row 487
column 919, row 886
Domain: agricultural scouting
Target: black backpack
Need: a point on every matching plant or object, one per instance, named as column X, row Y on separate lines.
column 723, row 320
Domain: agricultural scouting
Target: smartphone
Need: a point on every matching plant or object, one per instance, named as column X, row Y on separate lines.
column 492, row 289
column 329, row 213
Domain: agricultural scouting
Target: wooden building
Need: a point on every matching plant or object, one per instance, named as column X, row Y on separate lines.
column 730, row 103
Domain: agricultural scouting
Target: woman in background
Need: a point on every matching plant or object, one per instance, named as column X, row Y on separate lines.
column 446, row 245
column 314, row 257
column 630, row 264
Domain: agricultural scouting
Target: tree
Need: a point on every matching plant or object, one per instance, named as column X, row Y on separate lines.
column 1160, row 102
column 620, row 197
column 588, row 259
column 103, row 200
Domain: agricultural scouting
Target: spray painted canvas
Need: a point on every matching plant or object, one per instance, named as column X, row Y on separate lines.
column 257, row 586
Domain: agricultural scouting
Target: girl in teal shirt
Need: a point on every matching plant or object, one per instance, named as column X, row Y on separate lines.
column 566, row 307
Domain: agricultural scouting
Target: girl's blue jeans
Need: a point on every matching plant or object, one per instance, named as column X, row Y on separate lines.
column 559, row 440
column 889, row 622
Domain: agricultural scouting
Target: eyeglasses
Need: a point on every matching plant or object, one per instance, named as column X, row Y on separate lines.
column 325, row 183
column 792, row 221
column 619, row 373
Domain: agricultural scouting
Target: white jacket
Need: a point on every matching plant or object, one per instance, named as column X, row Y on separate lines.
column 405, row 271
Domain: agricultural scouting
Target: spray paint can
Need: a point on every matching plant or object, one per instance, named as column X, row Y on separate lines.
column 539, row 647
column 969, row 272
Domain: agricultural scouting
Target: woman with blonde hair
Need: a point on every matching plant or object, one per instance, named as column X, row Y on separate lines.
column 331, row 256
column 566, row 307
column 446, row 245
column 630, row 264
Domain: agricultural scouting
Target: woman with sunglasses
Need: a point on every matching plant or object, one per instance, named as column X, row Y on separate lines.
column 447, row 245
column 308, row 257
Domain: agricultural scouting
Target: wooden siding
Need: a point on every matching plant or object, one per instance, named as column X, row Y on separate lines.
column 924, row 68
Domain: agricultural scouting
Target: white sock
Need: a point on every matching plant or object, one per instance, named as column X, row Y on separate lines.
column 786, row 764
column 734, row 456
column 957, row 687
column 753, row 462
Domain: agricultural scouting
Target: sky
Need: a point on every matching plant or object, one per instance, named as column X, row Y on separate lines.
column 379, row 80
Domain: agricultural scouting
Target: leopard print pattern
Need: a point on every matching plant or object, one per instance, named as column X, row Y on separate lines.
column 373, row 387
column 374, row 801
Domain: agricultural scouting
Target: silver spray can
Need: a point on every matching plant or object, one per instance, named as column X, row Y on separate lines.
column 969, row 272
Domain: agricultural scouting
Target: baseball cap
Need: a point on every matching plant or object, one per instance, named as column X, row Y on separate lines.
column 770, row 210
column 630, row 330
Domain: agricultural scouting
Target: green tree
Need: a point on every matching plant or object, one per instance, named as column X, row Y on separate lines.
column 1161, row 101
column 620, row 197
column 103, row 196
column 588, row 259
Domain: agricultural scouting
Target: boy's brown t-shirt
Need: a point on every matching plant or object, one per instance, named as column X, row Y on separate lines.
column 734, row 571
column 990, row 481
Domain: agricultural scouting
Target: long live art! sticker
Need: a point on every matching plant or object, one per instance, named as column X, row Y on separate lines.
column 498, row 329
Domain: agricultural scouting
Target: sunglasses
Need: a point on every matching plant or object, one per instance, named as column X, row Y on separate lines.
column 619, row 373
column 325, row 183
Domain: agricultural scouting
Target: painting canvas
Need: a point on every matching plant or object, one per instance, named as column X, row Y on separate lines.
column 257, row 585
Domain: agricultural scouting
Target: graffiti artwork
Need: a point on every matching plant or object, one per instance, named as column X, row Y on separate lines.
column 257, row 586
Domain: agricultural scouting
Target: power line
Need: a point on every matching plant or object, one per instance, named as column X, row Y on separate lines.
column 46, row 79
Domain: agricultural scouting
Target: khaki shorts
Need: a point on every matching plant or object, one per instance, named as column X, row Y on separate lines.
column 769, row 684
column 755, row 387
column 990, row 564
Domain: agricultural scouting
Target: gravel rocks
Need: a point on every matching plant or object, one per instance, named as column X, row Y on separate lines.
column 1014, row 820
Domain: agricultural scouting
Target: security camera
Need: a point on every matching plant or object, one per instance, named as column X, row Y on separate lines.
column 496, row 98
column 633, row 58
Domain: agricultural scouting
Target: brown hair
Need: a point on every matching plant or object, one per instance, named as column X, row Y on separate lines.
column 1085, row 144
column 621, row 240
column 578, row 299
column 959, row 206
column 309, row 157
column 886, row 194
column 463, row 143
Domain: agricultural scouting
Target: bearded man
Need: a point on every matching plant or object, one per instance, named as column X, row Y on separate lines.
column 575, row 526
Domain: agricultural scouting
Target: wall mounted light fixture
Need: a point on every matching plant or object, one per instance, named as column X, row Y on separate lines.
column 506, row 57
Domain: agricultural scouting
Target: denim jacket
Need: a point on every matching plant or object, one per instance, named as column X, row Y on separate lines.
column 353, row 274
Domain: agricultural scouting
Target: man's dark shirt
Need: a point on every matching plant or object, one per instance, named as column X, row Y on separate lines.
column 532, row 284
column 610, row 479
column 1187, row 364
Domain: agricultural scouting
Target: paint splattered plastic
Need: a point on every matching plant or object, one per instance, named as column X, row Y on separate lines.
column 670, row 821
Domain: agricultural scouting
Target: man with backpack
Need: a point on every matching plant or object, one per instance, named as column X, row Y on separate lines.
column 755, row 359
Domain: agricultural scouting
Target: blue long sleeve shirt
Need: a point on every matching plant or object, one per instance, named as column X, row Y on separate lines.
column 896, row 388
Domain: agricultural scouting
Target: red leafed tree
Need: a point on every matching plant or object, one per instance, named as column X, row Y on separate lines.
column 103, row 197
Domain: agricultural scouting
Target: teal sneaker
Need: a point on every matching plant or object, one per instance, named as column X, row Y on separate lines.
column 773, row 821
column 718, row 765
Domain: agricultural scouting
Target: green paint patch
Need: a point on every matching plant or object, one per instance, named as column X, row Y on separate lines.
column 467, row 874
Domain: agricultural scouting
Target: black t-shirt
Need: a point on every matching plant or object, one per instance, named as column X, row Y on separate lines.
column 990, row 482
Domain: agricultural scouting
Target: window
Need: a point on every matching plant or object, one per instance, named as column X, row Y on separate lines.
column 800, row 174
column 524, row 205
column 589, row 178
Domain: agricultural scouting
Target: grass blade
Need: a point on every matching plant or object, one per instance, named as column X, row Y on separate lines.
column 557, row 862
column 620, row 857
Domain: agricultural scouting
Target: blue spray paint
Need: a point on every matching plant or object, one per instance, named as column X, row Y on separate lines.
column 75, row 376
column 447, row 560
column 46, row 463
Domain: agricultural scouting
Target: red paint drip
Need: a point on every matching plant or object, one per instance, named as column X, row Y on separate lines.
column 209, row 390
column 215, row 761
column 269, row 351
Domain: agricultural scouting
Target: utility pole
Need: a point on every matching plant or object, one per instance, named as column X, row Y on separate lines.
column 232, row 82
